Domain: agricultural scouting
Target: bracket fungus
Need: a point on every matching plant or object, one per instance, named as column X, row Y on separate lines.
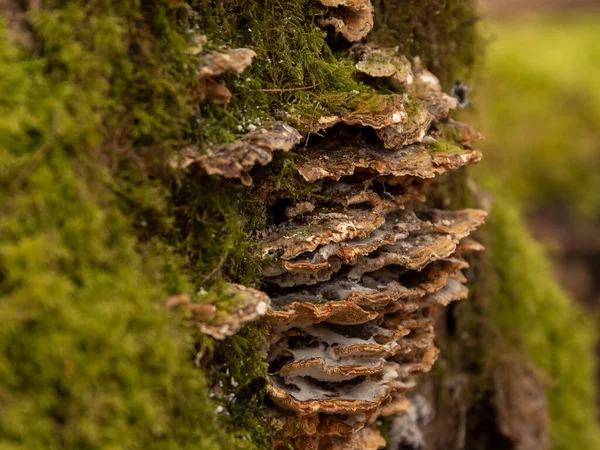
column 217, row 63
column 236, row 159
column 398, row 119
column 384, row 63
column 357, row 273
column 353, row 19
column 376, row 111
column 427, row 88
column 234, row 60
column 245, row 305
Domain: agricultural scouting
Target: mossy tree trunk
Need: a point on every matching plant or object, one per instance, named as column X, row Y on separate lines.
column 98, row 231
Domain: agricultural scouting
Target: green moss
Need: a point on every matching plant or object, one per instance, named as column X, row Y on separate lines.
column 87, row 358
column 413, row 106
column 291, row 53
column 238, row 368
column 441, row 32
column 443, row 145
column 214, row 219
column 355, row 102
column 531, row 312
column 282, row 175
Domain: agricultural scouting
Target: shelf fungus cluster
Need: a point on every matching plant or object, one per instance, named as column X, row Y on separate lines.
column 357, row 270
column 357, row 262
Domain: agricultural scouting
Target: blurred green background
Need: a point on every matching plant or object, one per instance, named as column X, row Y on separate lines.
column 539, row 105
column 537, row 101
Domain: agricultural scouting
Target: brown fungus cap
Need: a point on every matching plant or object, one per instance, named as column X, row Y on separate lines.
column 424, row 160
column 233, row 60
column 306, row 397
column 330, row 255
column 236, row 159
column 425, row 246
column 462, row 133
column 357, row 110
column 392, row 198
column 301, row 314
column 383, row 63
column 375, row 291
column 411, row 131
column 468, row 245
column 319, row 366
column 245, row 305
column 299, row 208
column 404, row 240
column 353, row 19
column 368, row 438
column 427, row 88
column 318, row 228
column 216, row 63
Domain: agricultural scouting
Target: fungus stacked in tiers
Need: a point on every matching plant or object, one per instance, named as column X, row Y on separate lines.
column 356, row 272
column 357, row 264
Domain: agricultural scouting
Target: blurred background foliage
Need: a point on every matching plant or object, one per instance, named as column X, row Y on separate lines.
column 536, row 99
column 538, row 102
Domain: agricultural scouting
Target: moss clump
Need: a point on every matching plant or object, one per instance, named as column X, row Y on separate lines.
column 291, row 53
column 282, row 176
column 238, row 369
column 531, row 312
column 87, row 357
column 443, row 145
column 441, row 32
column 214, row 219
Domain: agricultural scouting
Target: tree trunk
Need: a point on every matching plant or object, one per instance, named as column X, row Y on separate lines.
column 250, row 225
